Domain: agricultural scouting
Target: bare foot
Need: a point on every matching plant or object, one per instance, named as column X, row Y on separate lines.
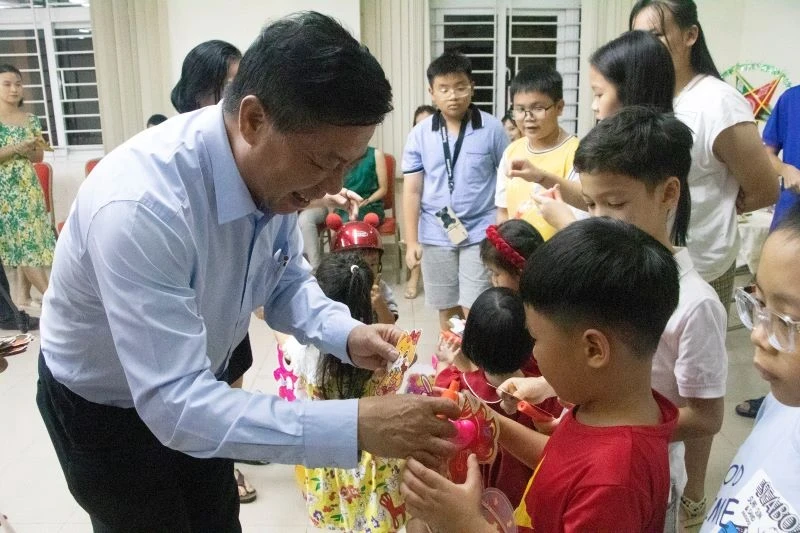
column 412, row 285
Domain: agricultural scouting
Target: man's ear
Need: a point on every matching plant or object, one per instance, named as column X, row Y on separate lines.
column 596, row 348
column 253, row 119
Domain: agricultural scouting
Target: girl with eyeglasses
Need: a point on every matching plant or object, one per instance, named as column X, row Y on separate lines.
column 761, row 489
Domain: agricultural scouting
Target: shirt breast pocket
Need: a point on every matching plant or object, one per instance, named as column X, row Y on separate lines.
column 479, row 168
column 265, row 278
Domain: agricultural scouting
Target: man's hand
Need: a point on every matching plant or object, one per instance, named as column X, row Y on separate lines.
column 373, row 346
column 442, row 504
column 406, row 425
column 344, row 199
column 413, row 254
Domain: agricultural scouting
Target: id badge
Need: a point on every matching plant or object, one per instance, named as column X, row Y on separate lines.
column 452, row 225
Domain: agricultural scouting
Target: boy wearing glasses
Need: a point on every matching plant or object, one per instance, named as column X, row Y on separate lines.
column 449, row 166
column 761, row 489
column 537, row 102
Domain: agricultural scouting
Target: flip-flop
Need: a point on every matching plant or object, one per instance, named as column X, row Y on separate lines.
column 749, row 408
column 247, row 493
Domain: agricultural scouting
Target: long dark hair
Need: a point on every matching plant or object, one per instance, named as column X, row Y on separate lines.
column 684, row 12
column 640, row 68
column 345, row 277
column 204, row 72
column 11, row 68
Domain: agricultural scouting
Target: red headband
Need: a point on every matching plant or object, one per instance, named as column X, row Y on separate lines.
column 505, row 249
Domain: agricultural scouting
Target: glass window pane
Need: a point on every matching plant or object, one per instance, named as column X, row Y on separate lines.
column 485, row 80
column 75, row 92
column 533, row 47
column 537, row 61
column 84, row 139
column 470, row 47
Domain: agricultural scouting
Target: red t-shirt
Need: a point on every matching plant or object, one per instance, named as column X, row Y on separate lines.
column 601, row 478
column 506, row 473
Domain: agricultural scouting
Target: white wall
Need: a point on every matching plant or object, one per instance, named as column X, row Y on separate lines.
column 239, row 21
column 753, row 31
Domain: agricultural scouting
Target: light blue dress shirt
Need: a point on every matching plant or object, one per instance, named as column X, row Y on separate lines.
column 162, row 259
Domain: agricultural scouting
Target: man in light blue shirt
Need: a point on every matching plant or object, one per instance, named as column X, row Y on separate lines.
column 174, row 239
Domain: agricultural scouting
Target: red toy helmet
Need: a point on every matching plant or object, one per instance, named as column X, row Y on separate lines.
column 354, row 235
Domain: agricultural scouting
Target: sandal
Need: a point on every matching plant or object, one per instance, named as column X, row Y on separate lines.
column 246, row 491
column 692, row 513
column 749, row 408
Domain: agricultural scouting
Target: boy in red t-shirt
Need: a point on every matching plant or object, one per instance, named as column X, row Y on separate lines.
column 597, row 298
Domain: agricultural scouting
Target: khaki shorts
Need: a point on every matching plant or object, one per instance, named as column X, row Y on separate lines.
column 453, row 276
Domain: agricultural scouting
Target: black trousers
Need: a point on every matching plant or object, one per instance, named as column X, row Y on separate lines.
column 124, row 477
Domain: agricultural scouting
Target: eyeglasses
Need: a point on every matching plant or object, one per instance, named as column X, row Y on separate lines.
column 520, row 113
column 458, row 92
column 782, row 331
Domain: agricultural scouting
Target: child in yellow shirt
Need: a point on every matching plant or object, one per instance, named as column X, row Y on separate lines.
column 537, row 97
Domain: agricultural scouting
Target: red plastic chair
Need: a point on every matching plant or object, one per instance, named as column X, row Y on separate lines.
column 90, row 164
column 390, row 228
column 45, row 174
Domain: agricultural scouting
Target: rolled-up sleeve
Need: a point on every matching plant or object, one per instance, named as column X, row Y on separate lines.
column 144, row 262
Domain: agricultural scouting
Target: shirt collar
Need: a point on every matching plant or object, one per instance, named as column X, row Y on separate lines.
column 475, row 119
column 684, row 261
column 233, row 198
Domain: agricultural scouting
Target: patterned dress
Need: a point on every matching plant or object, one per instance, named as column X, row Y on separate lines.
column 362, row 499
column 26, row 237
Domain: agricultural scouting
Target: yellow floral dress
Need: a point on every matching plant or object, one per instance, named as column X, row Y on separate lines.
column 26, row 237
column 362, row 499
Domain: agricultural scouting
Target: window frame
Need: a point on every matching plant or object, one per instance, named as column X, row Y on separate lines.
column 47, row 19
column 568, row 13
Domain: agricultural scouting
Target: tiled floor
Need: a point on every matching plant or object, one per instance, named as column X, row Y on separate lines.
column 34, row 496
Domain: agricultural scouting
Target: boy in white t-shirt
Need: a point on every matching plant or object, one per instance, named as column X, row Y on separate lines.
column 761, row 489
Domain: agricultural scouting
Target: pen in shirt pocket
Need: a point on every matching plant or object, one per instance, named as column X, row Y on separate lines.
column 281, row 258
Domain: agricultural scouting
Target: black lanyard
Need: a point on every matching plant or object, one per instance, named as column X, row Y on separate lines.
column 450, row 163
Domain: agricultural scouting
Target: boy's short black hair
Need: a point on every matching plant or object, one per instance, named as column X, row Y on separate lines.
column 538, row 79
column 520, row 235
column 644, row 144
column 450, row 62
column 606, row 274
column 306, row 69
column 495, row 337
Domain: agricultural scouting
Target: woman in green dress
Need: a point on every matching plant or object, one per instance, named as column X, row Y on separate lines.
column 369, row 180
column 27, row 240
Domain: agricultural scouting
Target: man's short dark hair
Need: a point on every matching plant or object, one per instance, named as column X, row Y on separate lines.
column 539, row 79
column 643, row 144
column 495, row 337
column 450, row 62
column 606, row 274
column 306, row 69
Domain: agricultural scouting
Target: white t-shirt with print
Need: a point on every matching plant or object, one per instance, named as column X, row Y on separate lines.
column 708, row 106
column 761, row 489
column 691, row 360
